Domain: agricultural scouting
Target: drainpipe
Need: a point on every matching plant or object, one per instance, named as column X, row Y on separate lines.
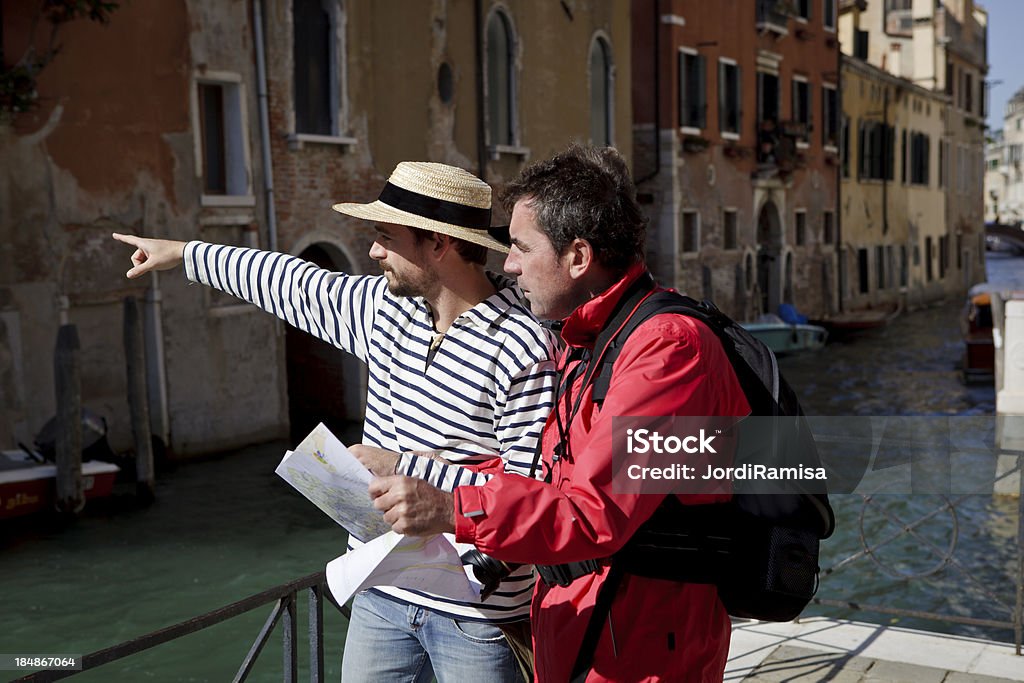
column 885, row 160
column 839, row 176
column 657, row 96
column 261, row 86
column 481, row 138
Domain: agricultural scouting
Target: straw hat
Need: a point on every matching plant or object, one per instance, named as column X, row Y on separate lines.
column 436, row 197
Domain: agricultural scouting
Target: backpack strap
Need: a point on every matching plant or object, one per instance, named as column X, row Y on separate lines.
column 655, row 304
column 602, row 610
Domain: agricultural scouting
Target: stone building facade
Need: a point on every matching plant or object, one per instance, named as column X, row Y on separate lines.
column 736, row 116
column 940, row 46
column 241, row 123
column 1004, row 167
column 895, row 248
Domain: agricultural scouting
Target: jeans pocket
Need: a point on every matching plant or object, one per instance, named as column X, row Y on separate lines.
column 478, row 632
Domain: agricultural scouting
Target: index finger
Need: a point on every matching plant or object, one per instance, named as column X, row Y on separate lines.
column 128, row 239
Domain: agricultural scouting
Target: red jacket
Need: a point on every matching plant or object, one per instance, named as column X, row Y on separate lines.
column 659, row 630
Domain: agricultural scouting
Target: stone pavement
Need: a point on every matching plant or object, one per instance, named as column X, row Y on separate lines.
column 819, row 649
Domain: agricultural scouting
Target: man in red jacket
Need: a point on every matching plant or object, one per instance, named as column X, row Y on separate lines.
column 577, row 248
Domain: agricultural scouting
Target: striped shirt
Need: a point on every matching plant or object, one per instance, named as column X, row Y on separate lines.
column 486, row 390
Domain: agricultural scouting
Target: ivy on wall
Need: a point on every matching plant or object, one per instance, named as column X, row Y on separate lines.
column 18, row 80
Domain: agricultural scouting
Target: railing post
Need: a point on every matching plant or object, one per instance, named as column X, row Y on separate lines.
column 290, row 673
column 316, row 634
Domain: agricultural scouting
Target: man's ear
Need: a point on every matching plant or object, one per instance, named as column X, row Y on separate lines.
column 580, row 256
column 439, row 244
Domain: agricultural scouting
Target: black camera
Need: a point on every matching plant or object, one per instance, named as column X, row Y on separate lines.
column 488, row 571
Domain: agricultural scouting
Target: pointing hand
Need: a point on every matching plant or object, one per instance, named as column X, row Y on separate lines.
column 152, row 254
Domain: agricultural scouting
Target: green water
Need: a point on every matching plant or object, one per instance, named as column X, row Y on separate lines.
column 221, row 531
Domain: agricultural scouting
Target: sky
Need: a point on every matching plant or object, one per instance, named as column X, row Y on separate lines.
column 1005, row 55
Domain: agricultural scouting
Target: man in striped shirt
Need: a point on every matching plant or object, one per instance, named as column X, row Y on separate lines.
column 457, row 364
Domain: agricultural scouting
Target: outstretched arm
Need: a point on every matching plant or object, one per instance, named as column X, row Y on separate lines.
column 152, row 254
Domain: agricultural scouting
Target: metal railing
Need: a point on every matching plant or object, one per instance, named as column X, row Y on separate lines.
column 1004, row 612
column 283, row 598
column 942, row 558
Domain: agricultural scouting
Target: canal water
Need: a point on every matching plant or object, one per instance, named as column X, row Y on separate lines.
column 224, row 529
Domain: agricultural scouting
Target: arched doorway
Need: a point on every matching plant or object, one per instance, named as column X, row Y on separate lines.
column 324, row 383
column 769, row 248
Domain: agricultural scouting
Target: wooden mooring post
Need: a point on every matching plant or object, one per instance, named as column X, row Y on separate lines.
column 138, row 400
column 68, row 379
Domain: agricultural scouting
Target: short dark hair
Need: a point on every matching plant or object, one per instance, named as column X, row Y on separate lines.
column 584, row 192
column 469, row 251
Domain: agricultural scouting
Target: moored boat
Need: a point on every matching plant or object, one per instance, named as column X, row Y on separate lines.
column 28, row 486
column 851, row 322
column 976, row 325
column 783, row 338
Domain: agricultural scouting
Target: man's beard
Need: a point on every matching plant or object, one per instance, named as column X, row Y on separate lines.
column 404, row 286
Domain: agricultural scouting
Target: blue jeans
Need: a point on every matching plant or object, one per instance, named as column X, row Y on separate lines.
column 390, row 641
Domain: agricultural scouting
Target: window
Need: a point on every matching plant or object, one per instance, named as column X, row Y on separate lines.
column 729, row 93
column 829, row 116
column 601, row 93
column 692, row 91
column 828, row 17
column 968, row 87
column 828, row 231
column 800, row 227
column 875, row 150
column 222, row 150
column 772, row 15
column 862, row 271
column 500, row 85
column 802, row 106
column 844, row 148
column 904, row 266
column 920, row 153
column 860, row 44
column 319, row 81
column 729, row 229
column 942, row 163
column 943, row 255
column 767, row 97
column 903, row 156
column 880, row 266
column 899, row 18
column 691, row 232
column 803, row 9
column 928, row 275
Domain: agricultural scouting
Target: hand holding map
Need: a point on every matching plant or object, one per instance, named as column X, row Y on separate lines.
column 327, row 473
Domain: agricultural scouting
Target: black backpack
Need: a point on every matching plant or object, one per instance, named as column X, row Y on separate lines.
column 759, row 549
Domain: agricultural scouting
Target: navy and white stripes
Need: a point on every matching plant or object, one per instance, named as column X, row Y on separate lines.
column 487, row 390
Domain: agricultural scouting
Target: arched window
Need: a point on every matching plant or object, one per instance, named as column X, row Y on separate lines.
column 601, row 92
column 501, row 123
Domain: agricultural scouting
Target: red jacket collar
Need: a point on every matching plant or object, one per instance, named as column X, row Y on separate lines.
column 586, row 322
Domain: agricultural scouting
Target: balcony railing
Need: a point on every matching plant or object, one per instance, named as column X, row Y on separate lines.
column 966, row 39
column 773, row 15
column 899, row 23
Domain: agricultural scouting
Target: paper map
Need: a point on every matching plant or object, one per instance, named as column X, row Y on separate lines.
column 327, row 473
